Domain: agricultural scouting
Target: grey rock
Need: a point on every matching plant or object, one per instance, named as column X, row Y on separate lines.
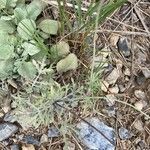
column 124, row 134
column 123, row 47
column 53, row 132
column 146, row 72
column 30, row 140
column 9, row 118
column 14, row 147
column 44, row 138
column 6, row 130
column 140, row 79
column 92, row 139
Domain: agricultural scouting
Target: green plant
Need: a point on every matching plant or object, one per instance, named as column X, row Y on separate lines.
column 25, row 53
column 85, row 17
column 22, row 38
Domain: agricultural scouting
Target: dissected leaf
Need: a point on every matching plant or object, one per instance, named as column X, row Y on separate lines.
column 27, row 70
column 30, row 49
column 6, row 68
column 6, row 26
column 59, row 50
column 68, row 63
column 35, row 8
column 49, row 26
column 6, row 51
column 26, row 29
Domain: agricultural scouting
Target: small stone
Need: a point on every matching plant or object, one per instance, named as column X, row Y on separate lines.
column 104, row 86
column 113, row 76
column 1, row 114
column 30, row 140
column 108, row 68
column 114, row 39
column 127, row 78
column 14, row 147
column 146, row 72
column 139, row 105
column 9, row 118
column 69, row 146
column 6, row 130
column 124, row 133
column 138, row 124
column 140, row 79
column 121, row 88
column 127, row 72
column 28, row 147
column 140, row 94
column 6, row 109
column 140, row 57
column 53, row 132
column 44, row 138
column 92, row 139
column 111, row 99
column 114, row 90
column 123, row 46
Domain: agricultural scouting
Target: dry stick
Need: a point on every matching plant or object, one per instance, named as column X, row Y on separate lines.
column 124, row 32
column 140, row 17
column 72, row 112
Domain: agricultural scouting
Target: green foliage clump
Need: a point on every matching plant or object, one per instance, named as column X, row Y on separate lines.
column 22, row 38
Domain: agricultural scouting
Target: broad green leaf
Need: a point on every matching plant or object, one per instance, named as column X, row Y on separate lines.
column 49, row 26
column 35, row 8
column 26, row 29
column 4, row 38
column 3, row 4
column 6, row 26
column 11, row 3
column 20, row 13
column 20, row 2
column 7, row 39
column 30, row 48
column 7, row 3
column 7, row 18
column 6, row 68
column 13, row 40
column 44, row 35
column 59, row 50
column 68, row 63
column 27, row 70
column 6, row 51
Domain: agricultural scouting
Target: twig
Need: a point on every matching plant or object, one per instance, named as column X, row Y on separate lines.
column 140, row 17
column 125, row 32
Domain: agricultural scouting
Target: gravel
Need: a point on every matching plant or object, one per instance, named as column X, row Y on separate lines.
column 6, row 130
